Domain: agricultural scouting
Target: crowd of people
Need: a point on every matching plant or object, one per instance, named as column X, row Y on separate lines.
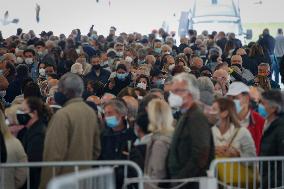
column 171, row 109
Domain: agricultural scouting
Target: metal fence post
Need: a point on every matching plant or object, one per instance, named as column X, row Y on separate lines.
column 208, row 183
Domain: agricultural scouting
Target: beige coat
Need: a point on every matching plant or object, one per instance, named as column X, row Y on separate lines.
column 156, row 156
column 72, row 135
column 14, row 177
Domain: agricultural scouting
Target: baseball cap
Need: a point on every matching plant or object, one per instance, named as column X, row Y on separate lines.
column 237, row 88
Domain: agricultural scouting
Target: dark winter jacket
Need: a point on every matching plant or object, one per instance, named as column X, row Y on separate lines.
column 272, row 144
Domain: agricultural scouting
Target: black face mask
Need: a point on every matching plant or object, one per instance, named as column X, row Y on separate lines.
column 188, row 56
column 239, row 66
column 97, row 66
column 23, row 119
column 60, row 98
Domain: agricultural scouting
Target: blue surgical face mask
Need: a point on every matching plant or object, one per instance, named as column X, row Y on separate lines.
column 158, row 50
column 112, row 121
column 160, row 83
column 261, row 110
column 121, row 76
column 238, row 105
column 110, row 61
column 141, row 62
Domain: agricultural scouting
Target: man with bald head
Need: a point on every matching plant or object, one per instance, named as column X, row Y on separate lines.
column 107, row 97
column 197, row 62
column 223, row 77
column 238, row 72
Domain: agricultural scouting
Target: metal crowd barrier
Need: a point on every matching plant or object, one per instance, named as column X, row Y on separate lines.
column 202, row 182
column 76, row 165
column 101, row 178
column 255, row 173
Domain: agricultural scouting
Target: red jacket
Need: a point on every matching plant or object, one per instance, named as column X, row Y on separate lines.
column 256, row 127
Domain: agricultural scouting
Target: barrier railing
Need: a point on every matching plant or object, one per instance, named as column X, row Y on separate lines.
column 260, row 172
column 202, row 182
column 102, row 178
column 76, row 165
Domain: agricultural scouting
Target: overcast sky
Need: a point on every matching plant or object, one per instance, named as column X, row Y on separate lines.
column 61, row 16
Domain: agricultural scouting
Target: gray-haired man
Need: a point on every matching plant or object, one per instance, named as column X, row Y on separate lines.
column 73, row 132
column 192, row 148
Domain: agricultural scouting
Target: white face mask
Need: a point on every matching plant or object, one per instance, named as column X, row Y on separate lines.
column 7, row 122
column 128, row 59
column 78, row 51
column 20, row 60
column 105, row 63
column 119, row 54
column 29, row 60
column 171, row 67
column 40, row 53
column 175, row 101
column 142, row 85
column 41, row 72
column 140, row 97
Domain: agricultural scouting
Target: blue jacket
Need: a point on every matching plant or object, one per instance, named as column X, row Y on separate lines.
column 91, row 51
column 267, row 42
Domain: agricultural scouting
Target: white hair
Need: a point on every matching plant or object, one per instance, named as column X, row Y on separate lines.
column 165, row 46
column 71, row 85
column 118, row 106
column 205, row 84
column 191, row 84
column 77, row 68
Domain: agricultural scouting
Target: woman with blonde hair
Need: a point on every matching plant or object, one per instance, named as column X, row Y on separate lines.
column 161, row 125
column 230, row 139
column 14, row 177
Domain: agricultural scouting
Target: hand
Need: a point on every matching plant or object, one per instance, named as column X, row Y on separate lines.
column 230, row 71
column 125, row 153
column 111, row 85
column 220, row 151
column 219, row 60
column 233, row 152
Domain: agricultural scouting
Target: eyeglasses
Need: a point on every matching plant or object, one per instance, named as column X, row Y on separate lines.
column 179, row 91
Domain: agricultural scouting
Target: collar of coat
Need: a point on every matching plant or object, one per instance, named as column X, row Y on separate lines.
column 73, row 100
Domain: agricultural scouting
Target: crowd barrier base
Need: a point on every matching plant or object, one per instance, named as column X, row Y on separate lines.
column 202, row 182
column 75, row 165
column 102, row 178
